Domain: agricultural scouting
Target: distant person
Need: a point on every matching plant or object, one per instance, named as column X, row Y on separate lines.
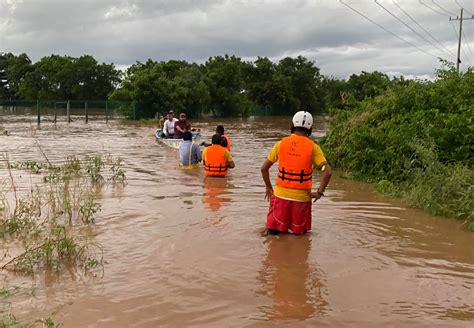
column 189, row 152
column 181, row 126
column 225, row 138
column 297, row 155
column 216, row 159
column 162, row 120
column 168, row 127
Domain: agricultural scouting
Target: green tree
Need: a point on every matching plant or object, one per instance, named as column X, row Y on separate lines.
column 65, row 77
column 160, row 87
column 225, row 80
column 367, row 85
column 12, row 72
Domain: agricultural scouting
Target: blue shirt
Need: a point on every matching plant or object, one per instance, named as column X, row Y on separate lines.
column 188, row 148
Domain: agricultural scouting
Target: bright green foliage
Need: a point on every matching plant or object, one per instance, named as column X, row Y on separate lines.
column 414, row 137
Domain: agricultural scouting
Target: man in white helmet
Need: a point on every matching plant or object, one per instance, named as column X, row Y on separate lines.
column 297, row 155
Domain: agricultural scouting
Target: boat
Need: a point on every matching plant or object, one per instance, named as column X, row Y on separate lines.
column 173, row 143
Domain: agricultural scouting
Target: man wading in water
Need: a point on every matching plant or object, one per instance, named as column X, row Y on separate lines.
column 297, row 155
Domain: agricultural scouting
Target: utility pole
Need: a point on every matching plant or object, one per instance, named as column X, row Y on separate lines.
column 460, row 19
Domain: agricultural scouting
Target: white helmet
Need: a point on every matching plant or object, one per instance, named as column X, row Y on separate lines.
column 303, row 119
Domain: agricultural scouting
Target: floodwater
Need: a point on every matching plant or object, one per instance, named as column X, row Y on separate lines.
column 182, row 250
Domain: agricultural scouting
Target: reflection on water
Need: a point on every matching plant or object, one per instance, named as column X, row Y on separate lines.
column 214, row 192
column 185, row 250
column 295, row 287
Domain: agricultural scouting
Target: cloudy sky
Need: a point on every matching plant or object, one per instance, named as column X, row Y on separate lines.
column 340, row 40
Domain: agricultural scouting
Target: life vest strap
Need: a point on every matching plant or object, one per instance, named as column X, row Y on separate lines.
column 302, row 175
column 219, row 168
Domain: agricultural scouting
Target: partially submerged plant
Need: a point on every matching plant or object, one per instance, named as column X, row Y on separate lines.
column 45, row 219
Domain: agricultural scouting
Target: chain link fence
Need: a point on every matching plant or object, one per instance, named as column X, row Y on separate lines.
column 66, row 110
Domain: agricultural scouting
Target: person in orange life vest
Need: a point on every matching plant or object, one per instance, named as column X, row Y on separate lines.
column 226, row 140
column 297, row 155
column 216, row 159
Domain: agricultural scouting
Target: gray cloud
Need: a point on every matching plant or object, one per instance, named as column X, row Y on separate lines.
column 340, row 41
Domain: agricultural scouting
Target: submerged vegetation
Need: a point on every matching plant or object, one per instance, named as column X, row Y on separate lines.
column 42, row 229
column 46, row 220
column 412, row 138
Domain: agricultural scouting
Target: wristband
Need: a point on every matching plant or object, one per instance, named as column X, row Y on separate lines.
column 320, row 193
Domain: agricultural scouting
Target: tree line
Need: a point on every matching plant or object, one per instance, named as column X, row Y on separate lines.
column 223, row 86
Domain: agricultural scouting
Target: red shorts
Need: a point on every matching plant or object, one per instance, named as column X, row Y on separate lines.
column 285, row 215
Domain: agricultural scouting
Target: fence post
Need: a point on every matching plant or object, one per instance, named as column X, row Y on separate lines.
column 87, row 116
column 55, row 113
column 38, row 111
column 68, row 110
column 106, row 111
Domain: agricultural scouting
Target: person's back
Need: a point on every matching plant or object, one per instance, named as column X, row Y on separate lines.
column 226, row 140
column 297, row 155
column 217, row 159
column 189, row 152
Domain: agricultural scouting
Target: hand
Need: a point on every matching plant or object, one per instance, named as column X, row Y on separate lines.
column 316, row 195
column 268, row 193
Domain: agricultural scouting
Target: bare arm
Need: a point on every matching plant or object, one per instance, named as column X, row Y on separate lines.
column 327, row 173
column 230, row 164
column 266, row 178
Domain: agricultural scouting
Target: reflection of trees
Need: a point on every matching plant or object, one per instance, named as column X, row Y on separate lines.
column 214, row 189
column 295, row 287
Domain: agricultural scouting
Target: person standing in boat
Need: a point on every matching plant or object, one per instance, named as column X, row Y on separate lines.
column 181, row 126
column 168, row 127
column 189, row 152
column 297, row 155
column 216, row 159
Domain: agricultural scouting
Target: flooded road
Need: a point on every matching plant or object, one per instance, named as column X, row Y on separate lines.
column 182, row 250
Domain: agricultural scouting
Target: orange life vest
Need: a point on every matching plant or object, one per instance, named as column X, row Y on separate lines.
column 295, row 166
column 216, row 165
column 228, row 141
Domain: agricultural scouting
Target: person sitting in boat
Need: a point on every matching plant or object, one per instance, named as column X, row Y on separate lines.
column 225, row 139
column 216, row 159
column 168, row 128
column 189, row 152
column 181, row 126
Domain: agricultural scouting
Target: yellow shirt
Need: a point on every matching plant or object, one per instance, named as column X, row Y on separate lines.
column 227, row 156
column 295, row 194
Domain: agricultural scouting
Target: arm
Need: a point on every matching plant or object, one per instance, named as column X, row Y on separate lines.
column 229, row 160
column 198, row 153
column 165, row 129
column 266, row 178
column 327, row 173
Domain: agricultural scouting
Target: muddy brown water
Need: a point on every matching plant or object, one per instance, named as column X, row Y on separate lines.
column 183, row 251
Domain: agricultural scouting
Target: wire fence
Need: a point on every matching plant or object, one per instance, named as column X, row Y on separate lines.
column 66, row 110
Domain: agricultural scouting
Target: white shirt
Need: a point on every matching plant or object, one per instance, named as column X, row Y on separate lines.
column 168, row 127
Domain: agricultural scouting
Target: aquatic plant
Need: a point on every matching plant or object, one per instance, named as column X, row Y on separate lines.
column 45, row 220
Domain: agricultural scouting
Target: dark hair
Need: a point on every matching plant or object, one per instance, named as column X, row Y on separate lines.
column 301, row 129
column 220, row 129
column 216, row 139
column 187, row 135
